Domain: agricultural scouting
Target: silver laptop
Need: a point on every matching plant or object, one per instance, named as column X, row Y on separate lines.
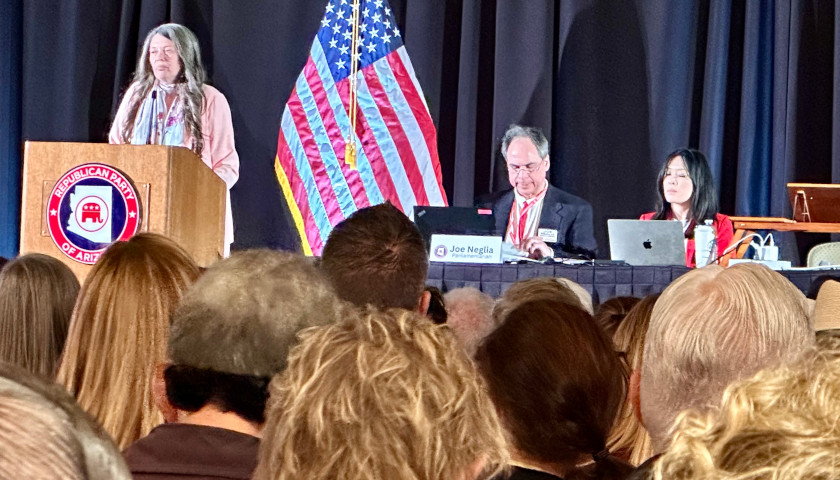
column 647, row 242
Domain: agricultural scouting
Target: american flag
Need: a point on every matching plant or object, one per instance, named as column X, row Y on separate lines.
column 395, row 137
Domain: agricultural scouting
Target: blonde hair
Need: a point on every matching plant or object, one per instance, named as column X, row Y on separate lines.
column 389, row 395
column 37, row 293
column 713, row 326
column 45, row 435
column 535, row 289
column 119, row 330
column 779, row 424
column 583, row 296
column 628, row 438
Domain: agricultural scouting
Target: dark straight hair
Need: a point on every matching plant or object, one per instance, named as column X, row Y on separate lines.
column 704, row 201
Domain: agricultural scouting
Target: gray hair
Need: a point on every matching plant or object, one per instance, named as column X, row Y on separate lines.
column 713, row 326
column 45, row 434
column 243, row 314
column 532, row 133
column 188, row 84
column 469, row 316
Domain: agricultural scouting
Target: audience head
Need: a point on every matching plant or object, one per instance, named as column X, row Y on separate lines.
column 37, row 293
column 119, row 330
column 387, row 395
column 779, row 424
column 816, row 285
column 611, row 313
column 826, row 314
column 713, row 326
column 234, row 327
column 44, row 434
column 628, row 439
column 584, row 297
column 537, row 289
column 557, row 384
column 377, row 256
column 470, row 316
column 685, row 178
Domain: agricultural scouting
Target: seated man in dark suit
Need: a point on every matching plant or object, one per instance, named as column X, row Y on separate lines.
column 535, row 216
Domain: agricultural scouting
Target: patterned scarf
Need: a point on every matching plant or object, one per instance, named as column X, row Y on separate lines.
column 166, row 128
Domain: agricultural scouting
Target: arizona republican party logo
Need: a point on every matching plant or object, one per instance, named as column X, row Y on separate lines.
column 90, row 207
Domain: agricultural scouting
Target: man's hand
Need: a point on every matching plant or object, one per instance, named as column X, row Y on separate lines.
column 536, row 248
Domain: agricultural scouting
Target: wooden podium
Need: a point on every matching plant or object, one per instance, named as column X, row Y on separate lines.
column 179, row 196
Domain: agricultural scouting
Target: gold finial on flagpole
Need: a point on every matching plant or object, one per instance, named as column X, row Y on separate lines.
column 350, row 147
column 350, row 153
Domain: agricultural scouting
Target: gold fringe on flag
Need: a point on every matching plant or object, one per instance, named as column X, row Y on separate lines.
column 350, row 144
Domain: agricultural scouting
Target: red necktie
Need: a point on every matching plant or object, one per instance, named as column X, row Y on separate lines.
column 523, row 217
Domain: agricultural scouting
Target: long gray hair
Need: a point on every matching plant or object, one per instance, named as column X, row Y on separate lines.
column 188, row 84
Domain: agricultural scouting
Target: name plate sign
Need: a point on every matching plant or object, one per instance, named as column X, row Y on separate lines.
column 465, row 249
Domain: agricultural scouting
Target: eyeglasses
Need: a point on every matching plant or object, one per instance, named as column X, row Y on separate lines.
column 527, row 169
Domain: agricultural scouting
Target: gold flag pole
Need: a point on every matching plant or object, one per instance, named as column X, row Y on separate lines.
column 350, row 144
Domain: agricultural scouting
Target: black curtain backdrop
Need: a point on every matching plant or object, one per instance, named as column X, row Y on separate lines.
column 615, row 84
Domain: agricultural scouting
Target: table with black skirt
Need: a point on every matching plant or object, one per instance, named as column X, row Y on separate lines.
column 602, row 281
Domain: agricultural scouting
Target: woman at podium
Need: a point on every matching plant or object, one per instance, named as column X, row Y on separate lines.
column 168, row 103
column 687, row 193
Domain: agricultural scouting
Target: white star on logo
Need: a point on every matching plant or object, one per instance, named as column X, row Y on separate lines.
column 325, row 22
column 347, row 35
column 132, row 214
column 341, row 14
column 386, row 23
column 374, row 33
column 387, row 11
column 378, row 3
column 343, row 49
column 53, row 212
column 365, row 12
column 371, row 47
column 396, row 33
column 357, row 56
column 336, row 29
column 333, row 43
column 339, row 64
column 376, row 17
column 330, row 8
column 386, row 38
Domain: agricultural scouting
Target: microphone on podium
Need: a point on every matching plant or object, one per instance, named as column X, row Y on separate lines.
column 152, row 123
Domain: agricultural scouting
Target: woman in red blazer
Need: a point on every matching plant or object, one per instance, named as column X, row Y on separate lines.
column 687, row 193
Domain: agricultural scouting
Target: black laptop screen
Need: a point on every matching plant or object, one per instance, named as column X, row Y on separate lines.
column 453, row 221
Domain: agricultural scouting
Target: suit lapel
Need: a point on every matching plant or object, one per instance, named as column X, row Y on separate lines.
column 552, row 211
column 502, row 213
